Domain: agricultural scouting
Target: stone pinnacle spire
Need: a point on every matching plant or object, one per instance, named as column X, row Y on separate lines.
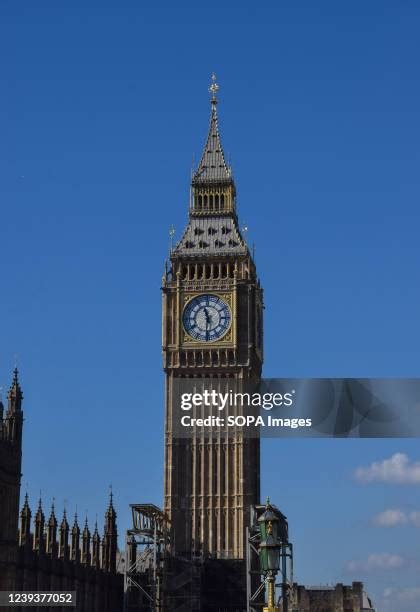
column 15, row 394
column 25, row 523
column 212, row 166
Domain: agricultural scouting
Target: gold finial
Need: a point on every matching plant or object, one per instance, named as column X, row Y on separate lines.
column 214, row 88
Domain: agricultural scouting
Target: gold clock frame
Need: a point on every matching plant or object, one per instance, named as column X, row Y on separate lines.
column 230, row 334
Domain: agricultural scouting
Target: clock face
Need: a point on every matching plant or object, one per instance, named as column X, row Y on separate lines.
column 206, row 318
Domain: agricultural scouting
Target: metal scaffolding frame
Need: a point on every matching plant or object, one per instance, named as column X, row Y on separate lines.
column 148, row 557
column 147, row 547
column 155, row 579
column 255, row 587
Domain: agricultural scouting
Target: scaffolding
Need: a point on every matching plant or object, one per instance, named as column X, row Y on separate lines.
column 147, row 549
column 156, row 580
column 183, row 583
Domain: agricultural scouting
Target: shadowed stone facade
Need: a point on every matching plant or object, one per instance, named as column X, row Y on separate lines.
column 11, row 424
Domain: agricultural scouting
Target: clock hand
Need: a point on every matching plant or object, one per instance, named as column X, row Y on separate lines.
column 208, row 318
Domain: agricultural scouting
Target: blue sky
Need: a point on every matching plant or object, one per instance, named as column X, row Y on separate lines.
column 103, row 107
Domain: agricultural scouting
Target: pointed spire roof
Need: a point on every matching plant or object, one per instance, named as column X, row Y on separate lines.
column 110, row 513
column 15, row 394
column 96, row 535
column 75, row 529
column 39, row 516
column 213, row 166
column 52, row 520
column 86, row 532
column 110, row 526
column 64, row 524
column 26, row 510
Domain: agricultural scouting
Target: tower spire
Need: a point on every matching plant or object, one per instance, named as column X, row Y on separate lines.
column 64, row 537
column 96, row 547
column 25, row 523
column 51, row 542
column 86, row 544
column 75, row 540
column 38, row 543
column 212, row 167
column 15, row 394
column 213, row 222
column 109, row 542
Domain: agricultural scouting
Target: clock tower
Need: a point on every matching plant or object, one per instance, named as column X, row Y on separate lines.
column 212, row 330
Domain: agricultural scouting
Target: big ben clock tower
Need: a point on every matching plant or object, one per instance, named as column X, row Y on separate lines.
column 212, row 329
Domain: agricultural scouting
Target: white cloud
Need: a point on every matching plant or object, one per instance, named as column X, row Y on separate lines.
column 394, row 516
column 398, row 469
column 376, row 561
column 403, row 599
column 390, row 518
